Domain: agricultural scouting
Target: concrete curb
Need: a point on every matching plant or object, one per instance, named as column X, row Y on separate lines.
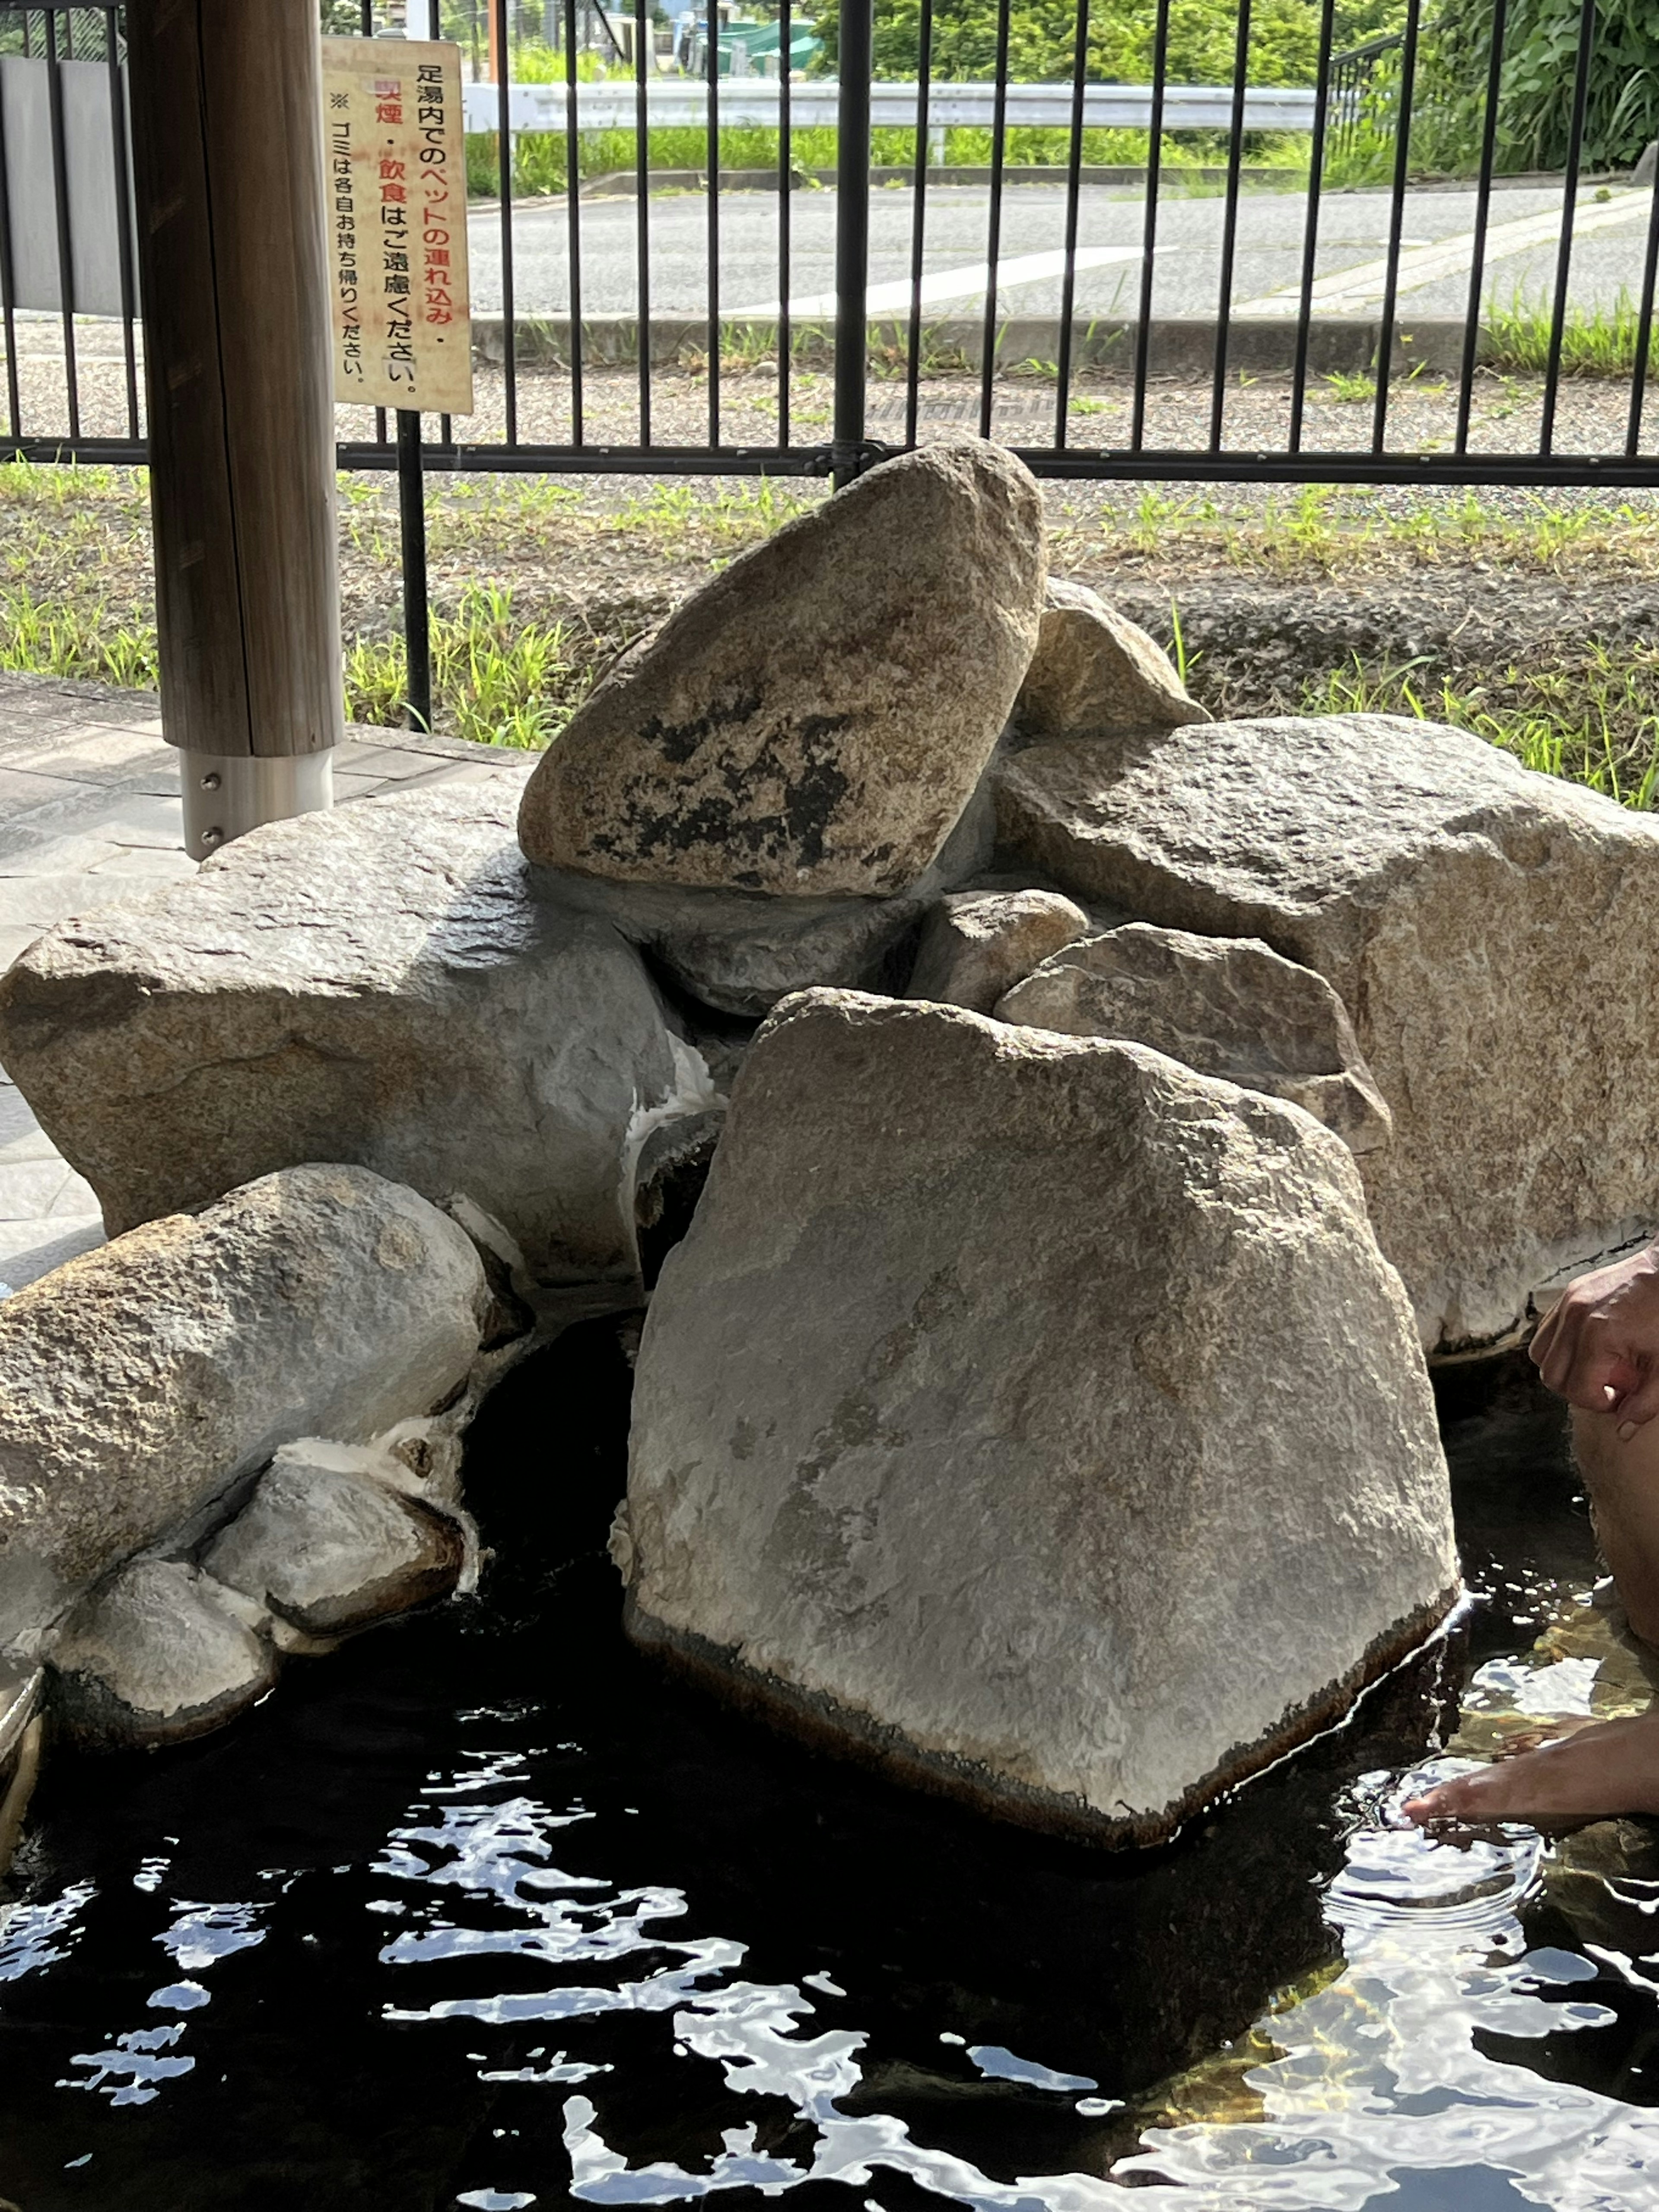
column 1180, row 348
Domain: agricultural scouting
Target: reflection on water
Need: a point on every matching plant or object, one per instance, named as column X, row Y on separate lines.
column 485, row 1914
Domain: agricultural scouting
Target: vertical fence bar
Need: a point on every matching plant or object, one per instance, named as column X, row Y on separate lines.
column 1482, row 214
column 786, row 210
column 573, row 174
column 1569, row 209
column 987, row 363
column 1230, row 229
column 1396, row 223
column 714, row 226
column 1638, row 376
column 918, row 223
column 1310, row 235
column 60, row 193
column 852, row 238
column 9, row 284
column 504, row 171
column 1149, row 230
column 642, row 209
column 118, row 118
column 1073, row 186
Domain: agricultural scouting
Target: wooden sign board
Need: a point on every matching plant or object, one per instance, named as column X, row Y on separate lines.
column 394, row 164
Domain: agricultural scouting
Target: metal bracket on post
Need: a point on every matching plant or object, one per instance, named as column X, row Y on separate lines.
column 228, row 794
column 849, row 450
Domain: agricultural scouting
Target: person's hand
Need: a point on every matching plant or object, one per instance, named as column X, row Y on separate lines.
column 1599, row 1347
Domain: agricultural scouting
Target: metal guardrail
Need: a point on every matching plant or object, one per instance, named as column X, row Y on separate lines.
column 759, row 102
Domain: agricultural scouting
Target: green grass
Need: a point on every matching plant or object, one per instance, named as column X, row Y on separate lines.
column 1591, row 718
column 494, row 680
column 1595, row 342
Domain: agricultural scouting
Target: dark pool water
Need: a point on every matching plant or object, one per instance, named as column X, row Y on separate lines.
column 483, row 1912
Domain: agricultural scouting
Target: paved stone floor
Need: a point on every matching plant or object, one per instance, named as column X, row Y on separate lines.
column 90, row 815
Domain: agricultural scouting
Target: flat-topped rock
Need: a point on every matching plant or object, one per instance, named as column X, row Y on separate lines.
column 815, row 721
column 1224, row 1006
column 1095, row 672
column 1032, row 1415
column 385, row 984
column 143, row 1380
column 1482, row 924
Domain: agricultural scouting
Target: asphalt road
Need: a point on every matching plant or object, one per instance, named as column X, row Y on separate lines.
column 1609, row 240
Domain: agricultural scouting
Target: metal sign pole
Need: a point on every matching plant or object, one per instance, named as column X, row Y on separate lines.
column 417, row 628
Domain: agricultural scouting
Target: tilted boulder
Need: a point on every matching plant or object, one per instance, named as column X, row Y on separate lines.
column 385, row 984
column 1095, row 671
column 145, row 1380
column 1224, row 1006
column 329, row 1550
column 1031, row 1414
column 815, row 721
column 1487, row 929
column 975, row 945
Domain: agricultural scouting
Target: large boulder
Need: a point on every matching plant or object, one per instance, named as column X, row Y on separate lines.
column 1487, row 929
column 145, row 1380
column 387, row 985
column 1031, row 1414
column 815, row 721
column 1225, row 1005
column 1095, row 672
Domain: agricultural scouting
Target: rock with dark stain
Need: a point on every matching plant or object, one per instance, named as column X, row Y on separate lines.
column 984, row 1345
column 158, row 1654
column 815, row 721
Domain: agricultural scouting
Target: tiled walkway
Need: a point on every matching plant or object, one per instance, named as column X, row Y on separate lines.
column 90, row 815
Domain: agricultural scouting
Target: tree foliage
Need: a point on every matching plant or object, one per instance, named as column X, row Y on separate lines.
column 1540, row 48
column 1203, row 34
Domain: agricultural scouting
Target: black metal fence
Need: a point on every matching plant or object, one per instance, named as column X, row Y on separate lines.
column 1241, row 337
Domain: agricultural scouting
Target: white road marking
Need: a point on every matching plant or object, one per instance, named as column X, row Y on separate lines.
column 945, row 283
column 1365, row 286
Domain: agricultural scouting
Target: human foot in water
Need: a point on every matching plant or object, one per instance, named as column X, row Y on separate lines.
column 1592, row 1774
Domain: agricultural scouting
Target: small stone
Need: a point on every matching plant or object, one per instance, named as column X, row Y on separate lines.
column 157, row 1654
column 383, row 984
column 1095, row 671
column 975, row 945
column 1485, row 927
column 331, row 1552
column 1032, row 1415
column 146, row 1379
column 816, row 719
column 1226, row 1006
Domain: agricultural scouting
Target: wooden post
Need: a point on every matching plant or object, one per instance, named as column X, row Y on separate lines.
column 227, row 155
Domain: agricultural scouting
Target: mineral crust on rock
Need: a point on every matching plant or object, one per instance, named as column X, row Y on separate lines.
column 1485, row 927
column 157, row 1654
column 1224, row 1006
column 384, row 984
column 815, row 721
column 975, row 945
column 146, row 1378
column 331, row 1551
column 1032, row 1415
column 1095, row 671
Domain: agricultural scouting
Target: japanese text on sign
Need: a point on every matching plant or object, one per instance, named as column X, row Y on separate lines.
column 396, row 168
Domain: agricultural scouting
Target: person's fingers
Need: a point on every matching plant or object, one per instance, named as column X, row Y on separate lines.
column 1561, row 1354
column 1543, row 1335
column 1638, row 1407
